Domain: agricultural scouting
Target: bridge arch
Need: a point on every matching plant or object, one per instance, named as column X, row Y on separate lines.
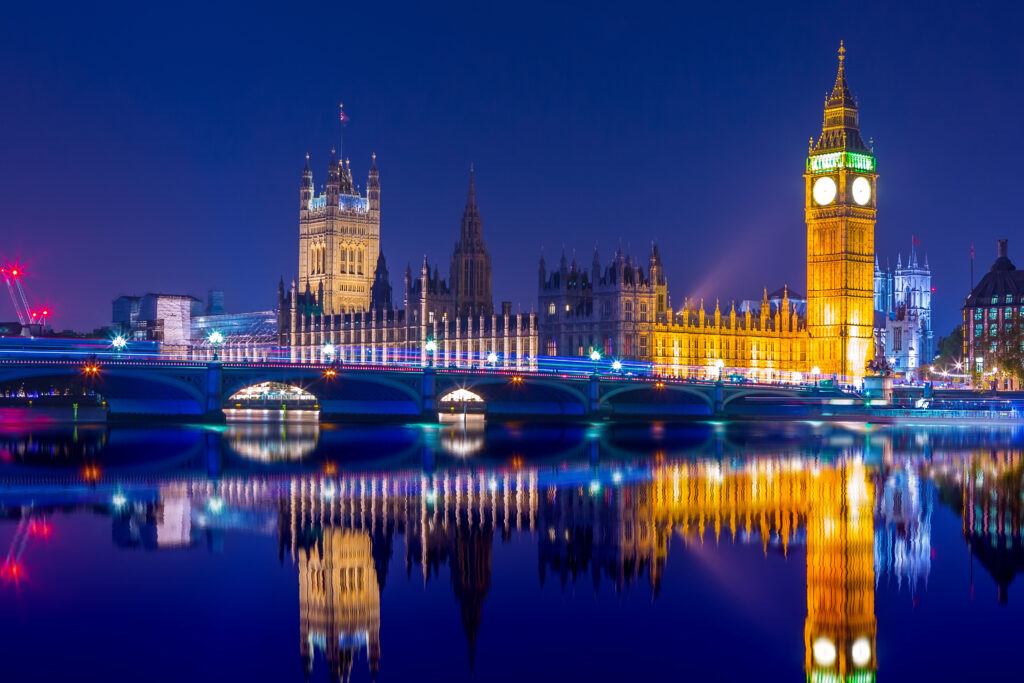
column 502, row 395
column 126, row 390
column 766, row 392
column 705, row 396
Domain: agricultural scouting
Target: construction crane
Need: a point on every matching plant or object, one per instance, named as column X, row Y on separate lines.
column 12, row 274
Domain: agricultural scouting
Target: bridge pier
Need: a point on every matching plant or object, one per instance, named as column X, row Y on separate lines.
column 213, row 393
column 718, row 399
column 594, row 394
column 428, row 396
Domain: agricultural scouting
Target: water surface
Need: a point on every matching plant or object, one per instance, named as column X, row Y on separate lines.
column 707, row 551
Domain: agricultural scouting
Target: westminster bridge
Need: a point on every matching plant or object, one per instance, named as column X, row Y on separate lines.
column 202, row 390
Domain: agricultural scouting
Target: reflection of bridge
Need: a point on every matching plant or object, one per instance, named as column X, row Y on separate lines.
column 610, row 522
column 186, row 388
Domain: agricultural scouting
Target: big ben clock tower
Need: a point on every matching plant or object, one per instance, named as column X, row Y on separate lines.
column 839, row 208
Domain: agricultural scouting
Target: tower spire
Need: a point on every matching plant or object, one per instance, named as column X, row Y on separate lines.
column 840, row 129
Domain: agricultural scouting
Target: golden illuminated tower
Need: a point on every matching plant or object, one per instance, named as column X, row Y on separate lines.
column 339, row 237
column 840, row 211
column 839, row 633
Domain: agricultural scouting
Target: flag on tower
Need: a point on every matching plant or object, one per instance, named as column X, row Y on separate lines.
column 917, row 242
column 341, row 113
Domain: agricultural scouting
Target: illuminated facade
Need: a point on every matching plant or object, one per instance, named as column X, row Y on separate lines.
column 442, row 323
column 903, row 313
column 839, row 207
column 993, row 312
column 832, row 332
column 339, row 237
column 762, row 342
column 608, row 309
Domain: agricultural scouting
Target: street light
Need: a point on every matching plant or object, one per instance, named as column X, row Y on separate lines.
column 119, row 343
column 616, row 365
column 492, row 358
column 595, row 356
column 215, row 339
column 431, row 346
column 720, row 364
column 328, row 351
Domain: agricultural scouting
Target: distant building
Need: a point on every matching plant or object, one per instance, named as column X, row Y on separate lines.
column 903, row 314
column 609, row 309
column 992, row 311
column 165, row 318
column 214, row 302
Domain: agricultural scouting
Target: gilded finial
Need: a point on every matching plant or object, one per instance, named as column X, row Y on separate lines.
column 842, row 53
column 373, row 156
column 307, row 156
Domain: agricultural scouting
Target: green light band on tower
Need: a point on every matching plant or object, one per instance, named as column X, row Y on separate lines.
column 833, row 160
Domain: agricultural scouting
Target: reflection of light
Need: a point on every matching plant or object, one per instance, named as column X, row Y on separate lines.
column 617, row 477
column 493, row 484
column 216, row 505
column 861, row 651
column 824, row 651
column 595, row 487
column 431, row 495
column 119, row 500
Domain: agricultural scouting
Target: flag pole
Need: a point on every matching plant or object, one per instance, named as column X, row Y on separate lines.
column 341, row 132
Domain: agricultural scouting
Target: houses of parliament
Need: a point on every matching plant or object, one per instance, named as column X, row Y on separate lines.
column 623, row 310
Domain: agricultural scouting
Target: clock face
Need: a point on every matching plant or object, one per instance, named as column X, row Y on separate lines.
column 824, row 190
column 861, row 190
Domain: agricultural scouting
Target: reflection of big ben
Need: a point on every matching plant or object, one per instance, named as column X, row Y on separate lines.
column 839, row 634
column 840, row 208
column 339, row 602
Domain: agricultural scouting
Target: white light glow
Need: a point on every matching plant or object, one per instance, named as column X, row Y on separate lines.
column 824, row 652
column 492, row 358
column 824, row 190
column 861, row 190
column 861, row 651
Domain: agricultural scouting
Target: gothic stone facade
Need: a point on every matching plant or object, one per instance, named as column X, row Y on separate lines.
column 339, row 237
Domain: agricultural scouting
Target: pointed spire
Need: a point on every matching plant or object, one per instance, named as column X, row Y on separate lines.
column 840, row 129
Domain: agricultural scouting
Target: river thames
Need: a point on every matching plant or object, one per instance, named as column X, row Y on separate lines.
column 708, row 551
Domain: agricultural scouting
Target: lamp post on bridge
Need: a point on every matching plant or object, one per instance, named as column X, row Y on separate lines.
column 119, row 343
column 215, row 339
column 595, row 356
column 431, row 348
column 327, row 355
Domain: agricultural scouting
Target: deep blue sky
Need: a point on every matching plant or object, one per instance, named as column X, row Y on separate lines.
column 158, row 147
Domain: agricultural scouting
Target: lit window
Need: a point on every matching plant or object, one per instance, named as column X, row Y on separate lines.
column 978, row 314
column 993, row 313
column 1009, row 298
column 551, row 308
column 567, row 308
column 995, row 299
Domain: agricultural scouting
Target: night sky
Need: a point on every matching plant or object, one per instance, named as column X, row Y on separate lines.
column 159, row 148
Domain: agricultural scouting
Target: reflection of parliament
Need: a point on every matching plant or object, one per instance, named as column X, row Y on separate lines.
column 343, row 296
column 853, row 523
